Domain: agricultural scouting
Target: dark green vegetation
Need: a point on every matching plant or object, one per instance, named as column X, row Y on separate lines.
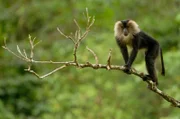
column 85, row 93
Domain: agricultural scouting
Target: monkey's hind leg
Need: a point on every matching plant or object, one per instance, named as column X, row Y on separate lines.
column 150, row 58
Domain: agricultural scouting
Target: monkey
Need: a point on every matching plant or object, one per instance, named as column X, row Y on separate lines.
column 128, row 33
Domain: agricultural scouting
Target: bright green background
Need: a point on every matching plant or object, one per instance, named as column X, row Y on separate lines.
column 85, row 93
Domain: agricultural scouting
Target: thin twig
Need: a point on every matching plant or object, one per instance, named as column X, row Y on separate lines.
column 94, row 54
column 25, row 54
column 47, row 74
column 6, row 48
column 74, row 53
column 109, row 60
column 37, row 43
column 79, row 28
column 32, row 47
column 68, row 37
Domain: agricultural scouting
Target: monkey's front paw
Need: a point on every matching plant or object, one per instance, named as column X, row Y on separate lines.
column 127, row 70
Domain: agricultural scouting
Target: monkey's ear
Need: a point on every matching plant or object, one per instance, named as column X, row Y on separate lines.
column 118, row 29
column 118, row 24
column 131, row 23
column 133, row 27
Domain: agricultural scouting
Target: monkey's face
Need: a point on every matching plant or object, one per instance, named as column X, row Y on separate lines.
column 129, row 27
column 124, row 26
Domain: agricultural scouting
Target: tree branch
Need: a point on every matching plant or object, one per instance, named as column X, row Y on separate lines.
column 77, row 38
column 94, row 54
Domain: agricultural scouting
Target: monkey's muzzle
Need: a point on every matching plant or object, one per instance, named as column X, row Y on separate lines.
column 125, row 31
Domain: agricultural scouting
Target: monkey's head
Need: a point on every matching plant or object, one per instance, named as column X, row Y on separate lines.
column 126, row 27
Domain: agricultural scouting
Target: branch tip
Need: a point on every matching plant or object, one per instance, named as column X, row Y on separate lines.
column 4, row 47
column 87, row 14
column 29, row 36
column 77, row 24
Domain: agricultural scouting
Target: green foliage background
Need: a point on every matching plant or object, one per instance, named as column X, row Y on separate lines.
column 85, row 93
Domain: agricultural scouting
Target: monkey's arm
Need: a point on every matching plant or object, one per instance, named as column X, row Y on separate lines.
column 124, row 50
column 130, row 61
column 132, row 57
column 133, row 54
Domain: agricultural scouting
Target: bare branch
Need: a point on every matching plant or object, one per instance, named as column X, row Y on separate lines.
column 62, row 33
column 47, row 74
column 25, row 54
column 13, row 53
column 19, row 51
column 32, row 47
column 90, row 23
column 37, row 43
column 109, row 60
column 33, row 72
column 79, row 28
column 94, row 54
column 74, row 53
column 87, row 13
column 68, row 37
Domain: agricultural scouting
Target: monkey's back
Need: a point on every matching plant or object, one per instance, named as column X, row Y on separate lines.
column 146, row 41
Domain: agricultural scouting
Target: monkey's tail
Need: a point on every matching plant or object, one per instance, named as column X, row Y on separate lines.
column 162, row 63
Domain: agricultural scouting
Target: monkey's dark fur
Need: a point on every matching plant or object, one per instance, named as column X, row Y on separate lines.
column 127, row 32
